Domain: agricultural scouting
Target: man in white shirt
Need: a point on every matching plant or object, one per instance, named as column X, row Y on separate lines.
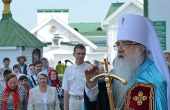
column 74, row 80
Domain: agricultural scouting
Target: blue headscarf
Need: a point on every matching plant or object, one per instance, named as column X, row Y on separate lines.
column 47, row 63
column 44, row 73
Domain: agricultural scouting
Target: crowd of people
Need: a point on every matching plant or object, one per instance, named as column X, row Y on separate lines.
column 30, row 87
column 139, row 60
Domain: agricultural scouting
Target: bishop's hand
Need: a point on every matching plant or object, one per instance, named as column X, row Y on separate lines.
column 90, row 72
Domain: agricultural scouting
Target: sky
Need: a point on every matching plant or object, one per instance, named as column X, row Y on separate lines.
column 25, row 11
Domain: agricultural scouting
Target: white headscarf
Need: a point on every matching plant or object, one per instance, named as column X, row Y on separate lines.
column 29, row 72
column 141, row 30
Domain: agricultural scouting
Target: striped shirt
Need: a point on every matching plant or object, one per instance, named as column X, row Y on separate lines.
column 33, row 83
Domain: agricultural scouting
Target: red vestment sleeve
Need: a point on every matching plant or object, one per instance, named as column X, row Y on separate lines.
column 140, row 96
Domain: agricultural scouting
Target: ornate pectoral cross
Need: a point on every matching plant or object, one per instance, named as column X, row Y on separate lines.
column 108, row 77
column 106, row 65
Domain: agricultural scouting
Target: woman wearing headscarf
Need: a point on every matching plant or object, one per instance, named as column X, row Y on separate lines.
column 30, row 69
column 13, row 97
column 43, row 96
column 53, row 76
column 45, row 66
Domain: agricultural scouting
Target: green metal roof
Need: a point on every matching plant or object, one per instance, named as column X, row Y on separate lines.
column 89, row 29
column 69, row 43
column 98, row 41
column 112, row 9
column 52, row 10
column 13, row 34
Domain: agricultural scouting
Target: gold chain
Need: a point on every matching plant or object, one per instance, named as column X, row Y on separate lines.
column 120, row 106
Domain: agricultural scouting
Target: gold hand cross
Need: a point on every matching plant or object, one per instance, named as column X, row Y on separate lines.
column 107, row 80
column 106, row 65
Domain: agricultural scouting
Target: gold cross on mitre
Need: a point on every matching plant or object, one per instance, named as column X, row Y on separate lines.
column 123, row 19
column 106, row 65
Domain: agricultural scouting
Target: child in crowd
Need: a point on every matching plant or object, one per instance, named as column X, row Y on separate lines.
column 16, row 71
column 3, row 78
column 23, row 80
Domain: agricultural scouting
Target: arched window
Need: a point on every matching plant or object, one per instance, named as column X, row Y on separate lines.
column 36, row 54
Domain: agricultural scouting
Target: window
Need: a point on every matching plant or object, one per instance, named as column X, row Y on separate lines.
column 36, row 54
column 56, row 40
column 53, row 29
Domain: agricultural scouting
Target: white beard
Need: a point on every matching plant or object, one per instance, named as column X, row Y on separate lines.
column 125, row 68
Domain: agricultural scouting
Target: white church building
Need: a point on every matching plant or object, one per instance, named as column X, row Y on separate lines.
column 54, row 29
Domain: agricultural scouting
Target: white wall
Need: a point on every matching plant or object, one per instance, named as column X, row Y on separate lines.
column 112, row 38
column 12, row 54
column 44, row 34
column 51, row 52
column 158, row 10
column 96, row 56
column 41, row 16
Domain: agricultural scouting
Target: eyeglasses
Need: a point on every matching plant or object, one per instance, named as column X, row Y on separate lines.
column 124, row 45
